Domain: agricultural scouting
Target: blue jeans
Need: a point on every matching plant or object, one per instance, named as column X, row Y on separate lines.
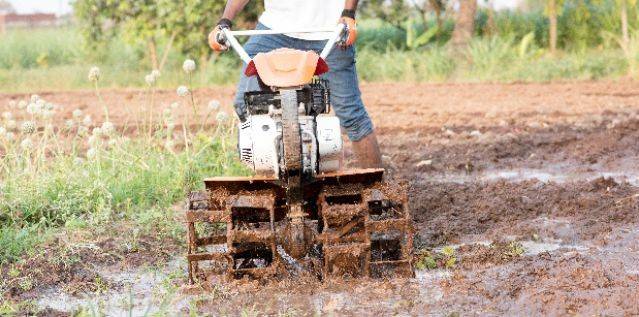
column 346, row 97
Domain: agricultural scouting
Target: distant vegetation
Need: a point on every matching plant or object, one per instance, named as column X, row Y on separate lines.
column 409, row 44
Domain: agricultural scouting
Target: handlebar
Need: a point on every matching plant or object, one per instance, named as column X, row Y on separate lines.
column 228, row 38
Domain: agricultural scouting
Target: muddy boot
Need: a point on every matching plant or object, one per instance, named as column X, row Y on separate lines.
column 367, row 152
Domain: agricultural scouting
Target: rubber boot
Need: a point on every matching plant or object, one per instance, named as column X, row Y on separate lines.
column 367, row 152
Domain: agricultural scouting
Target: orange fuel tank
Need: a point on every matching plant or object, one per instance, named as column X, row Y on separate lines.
column 286, row 67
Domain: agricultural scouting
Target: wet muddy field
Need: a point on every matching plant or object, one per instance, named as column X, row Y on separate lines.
column 525, row 199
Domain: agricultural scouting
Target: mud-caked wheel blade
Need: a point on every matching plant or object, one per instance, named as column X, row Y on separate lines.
column 197, row 201
column 199, row 211
column 389, row 228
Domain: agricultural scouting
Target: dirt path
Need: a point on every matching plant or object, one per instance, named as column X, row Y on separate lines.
column 533, row 187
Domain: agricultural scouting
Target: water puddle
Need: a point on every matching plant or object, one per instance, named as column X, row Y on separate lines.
column 139, row 292
column 536, row 247
column 430, row 291
column 558, row 176
column 531, row 247
column 551, row 174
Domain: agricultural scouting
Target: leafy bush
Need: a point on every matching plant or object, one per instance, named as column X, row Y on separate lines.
column 489, row 57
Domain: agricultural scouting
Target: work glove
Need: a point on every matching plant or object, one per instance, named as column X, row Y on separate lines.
column 216, row 35
column 348, row 19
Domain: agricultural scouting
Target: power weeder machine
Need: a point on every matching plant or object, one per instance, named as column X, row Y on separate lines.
column 303, row 213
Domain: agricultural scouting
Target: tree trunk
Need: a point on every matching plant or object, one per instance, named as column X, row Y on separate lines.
column 625, row 34
column 464, row 23
column 491, row 25
column 153, row 53
column 438, row 7
column 167, row 50
column 552, row 15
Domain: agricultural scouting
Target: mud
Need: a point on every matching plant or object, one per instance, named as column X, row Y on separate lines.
column 525, row 198
column 137, row 291
column 84, row 270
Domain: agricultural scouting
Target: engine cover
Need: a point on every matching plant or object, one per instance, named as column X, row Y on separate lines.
column 260, row 144
column 329, row 140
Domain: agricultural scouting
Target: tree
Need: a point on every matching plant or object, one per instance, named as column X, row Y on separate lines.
column 553, row 8
column 395, row 12
column 181, row 24
column 491, row 27
column 624, row 6
column 464, row 23
column 439, row 7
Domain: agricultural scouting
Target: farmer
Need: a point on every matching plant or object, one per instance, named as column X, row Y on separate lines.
column 303, row 14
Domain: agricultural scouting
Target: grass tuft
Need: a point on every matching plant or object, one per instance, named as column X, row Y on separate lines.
column 86, row 174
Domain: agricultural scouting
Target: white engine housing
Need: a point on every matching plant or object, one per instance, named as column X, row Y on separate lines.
column 260, row 144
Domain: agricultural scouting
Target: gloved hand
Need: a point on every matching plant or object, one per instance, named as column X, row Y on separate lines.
column 214, row 36
column 348, row 19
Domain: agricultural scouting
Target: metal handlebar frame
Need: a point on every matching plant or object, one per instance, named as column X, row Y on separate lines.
column 229, row 38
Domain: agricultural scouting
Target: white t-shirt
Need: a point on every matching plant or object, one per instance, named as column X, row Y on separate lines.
column 302, row 14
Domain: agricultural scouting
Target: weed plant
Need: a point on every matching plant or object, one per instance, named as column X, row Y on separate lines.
column 57, row 172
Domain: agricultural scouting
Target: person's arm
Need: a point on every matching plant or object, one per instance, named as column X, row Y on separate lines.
column 232, row 9
column 348, row 18
column 350, row 5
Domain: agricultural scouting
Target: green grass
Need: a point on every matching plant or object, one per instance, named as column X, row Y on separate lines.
column 382, row 56
column 79, row 176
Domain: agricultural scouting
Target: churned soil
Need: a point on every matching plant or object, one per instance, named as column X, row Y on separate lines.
column 530, row 189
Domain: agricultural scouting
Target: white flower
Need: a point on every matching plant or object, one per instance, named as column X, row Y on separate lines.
column 150, row 79
column 77, row 113
column 26, row 144
column 87, row 120
column 94, row 74
column 22, row 104
column 175, row 105
column 108, row 128
column 83, row 130
column 97, row 131
column 170, row 126
column 28, row 127
column 12, row 125
column 92, row 153
column 93, row 140
column 48, row 114
column 214, row 105
column 69, row 123
column 221, row 116
column 32, row 108
column 188, row 66
column 3, row 131
column 156, row 73
column 10, row 136
column 7, row 115
column 169, row 145
column 182, row 91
